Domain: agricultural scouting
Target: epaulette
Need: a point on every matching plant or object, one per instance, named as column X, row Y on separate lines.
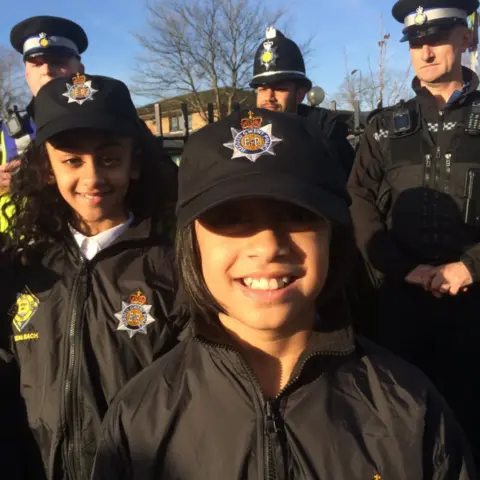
column 373, row 114
column 391, row 108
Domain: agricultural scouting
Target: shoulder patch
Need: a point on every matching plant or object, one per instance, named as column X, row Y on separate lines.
column 24, row 309
column 373, row 114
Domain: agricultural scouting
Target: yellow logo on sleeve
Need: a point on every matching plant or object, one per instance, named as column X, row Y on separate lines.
column 24, row 309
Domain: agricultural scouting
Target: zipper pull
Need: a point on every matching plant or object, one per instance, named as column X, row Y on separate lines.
column 437, row 155
column 272, row 422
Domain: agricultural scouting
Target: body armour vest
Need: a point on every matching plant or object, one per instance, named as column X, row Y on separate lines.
column 424, row 189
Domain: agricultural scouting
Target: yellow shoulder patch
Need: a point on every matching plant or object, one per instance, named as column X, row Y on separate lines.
column 24, row 309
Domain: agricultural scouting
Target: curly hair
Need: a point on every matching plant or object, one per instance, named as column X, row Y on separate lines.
column 41, row 215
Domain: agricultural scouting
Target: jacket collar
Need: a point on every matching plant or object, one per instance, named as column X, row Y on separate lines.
column 424, row 96
column 338, row 341
column 140, row 229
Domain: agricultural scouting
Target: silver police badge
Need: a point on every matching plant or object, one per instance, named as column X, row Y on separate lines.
column 269, row 54
column 80, row 91
column 420, row 17
column 135, row 316
column 253, row 140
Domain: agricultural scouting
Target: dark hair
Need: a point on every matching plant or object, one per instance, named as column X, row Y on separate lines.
column 196, row 300
column 42, row 216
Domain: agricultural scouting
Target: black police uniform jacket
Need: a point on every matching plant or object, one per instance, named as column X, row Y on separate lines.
column 87, row 328
column 408, row 188
column 333, row 126
column 348, row 411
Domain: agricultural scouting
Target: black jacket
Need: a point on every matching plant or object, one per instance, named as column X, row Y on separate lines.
column 348, row 412
column 408, row 188
column 334, row 126
column 87, row 328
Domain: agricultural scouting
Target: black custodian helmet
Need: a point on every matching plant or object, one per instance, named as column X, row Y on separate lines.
column 422, row 18
column 278, row 58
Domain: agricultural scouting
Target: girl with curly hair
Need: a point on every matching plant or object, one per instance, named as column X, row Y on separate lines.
column 92, row 274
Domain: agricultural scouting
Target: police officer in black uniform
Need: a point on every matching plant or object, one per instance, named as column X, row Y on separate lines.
column 281, row 83
column 414, row 188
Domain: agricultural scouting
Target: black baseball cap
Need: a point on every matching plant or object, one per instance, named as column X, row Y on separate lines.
column 47, row 35
column 427, row 18
column 85, row 101
column 259, row 153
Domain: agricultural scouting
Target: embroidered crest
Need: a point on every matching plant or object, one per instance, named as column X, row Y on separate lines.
column 43, row 40
column 420, row 17
column 24, row 309
column 80, row 91
column 253, row 140
column 377, row 477
column 135, row 316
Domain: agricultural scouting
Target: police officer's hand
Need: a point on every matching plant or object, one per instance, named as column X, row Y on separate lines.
column 421, row 275
column 451, row 278
column 6, row 175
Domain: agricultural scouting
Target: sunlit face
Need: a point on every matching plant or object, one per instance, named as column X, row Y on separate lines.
column 40, row 70
column 93, row 171
column 435, row 58
column 280, row 96
column 265, row 262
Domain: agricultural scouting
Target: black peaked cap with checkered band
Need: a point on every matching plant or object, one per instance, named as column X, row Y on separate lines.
column 277, row 59
column 423, row 18
column 85, row 102
column 264, row 154
column 46, row 35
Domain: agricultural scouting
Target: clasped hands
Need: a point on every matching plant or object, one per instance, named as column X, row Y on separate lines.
column 450, row 278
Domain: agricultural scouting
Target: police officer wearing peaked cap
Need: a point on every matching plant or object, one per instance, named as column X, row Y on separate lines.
column 414, row 189
column 51, row 47
column 44, row 35
column 280, row 80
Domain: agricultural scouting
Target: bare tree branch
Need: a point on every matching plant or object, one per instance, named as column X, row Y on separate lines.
column 12, row 85
column 198, row 45
column 383, row 86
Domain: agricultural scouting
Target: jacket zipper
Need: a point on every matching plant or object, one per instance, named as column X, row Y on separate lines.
column 273, row 428
column 273, row 422
column 71, row 415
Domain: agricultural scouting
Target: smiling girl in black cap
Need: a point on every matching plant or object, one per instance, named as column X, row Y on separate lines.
column 93, row 273
column 264, row 389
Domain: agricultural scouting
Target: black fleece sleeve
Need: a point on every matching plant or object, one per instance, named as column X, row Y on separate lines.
column 471, row 258
column 378, row 247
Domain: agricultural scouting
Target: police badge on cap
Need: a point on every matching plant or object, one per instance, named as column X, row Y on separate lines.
column 422, row 18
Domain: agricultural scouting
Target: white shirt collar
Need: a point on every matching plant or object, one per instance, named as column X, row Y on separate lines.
column 90, row 246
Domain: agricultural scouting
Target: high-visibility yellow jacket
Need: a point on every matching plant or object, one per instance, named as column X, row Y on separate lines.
column 12, row 148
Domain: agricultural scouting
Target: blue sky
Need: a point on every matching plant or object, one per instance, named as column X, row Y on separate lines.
column 338, row 26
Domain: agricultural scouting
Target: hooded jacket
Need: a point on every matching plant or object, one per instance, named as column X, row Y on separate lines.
column 79, row 330
column 349, row 410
